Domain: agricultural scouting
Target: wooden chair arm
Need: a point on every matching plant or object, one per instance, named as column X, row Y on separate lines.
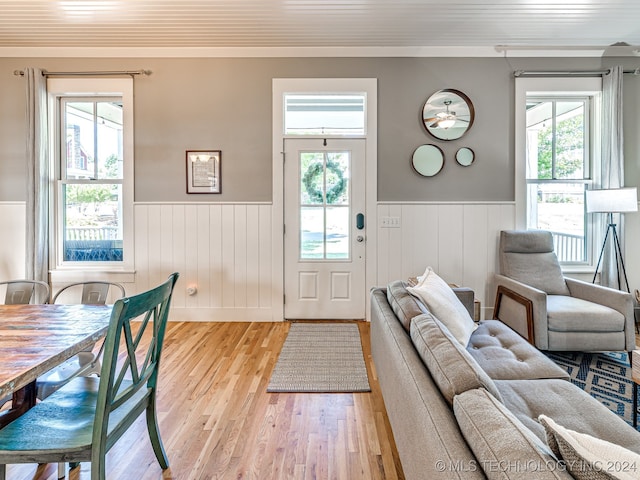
column 520, row 299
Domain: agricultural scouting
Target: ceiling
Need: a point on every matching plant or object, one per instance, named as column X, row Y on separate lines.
column 318, row 23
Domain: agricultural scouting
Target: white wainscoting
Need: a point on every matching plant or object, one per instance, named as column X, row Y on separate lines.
column 12, row 239
column 223, row 250
column 226, row 251
column 458, row 240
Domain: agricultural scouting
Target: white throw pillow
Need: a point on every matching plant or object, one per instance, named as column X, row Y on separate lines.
column 588, row 457
column 443, row 303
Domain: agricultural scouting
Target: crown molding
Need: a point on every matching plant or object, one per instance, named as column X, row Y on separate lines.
column 265, row 52
column 244, row 52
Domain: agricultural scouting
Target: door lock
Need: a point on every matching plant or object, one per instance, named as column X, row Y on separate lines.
column 359, row 239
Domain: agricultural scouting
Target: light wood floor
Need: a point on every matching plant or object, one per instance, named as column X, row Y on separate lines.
column 218, row 422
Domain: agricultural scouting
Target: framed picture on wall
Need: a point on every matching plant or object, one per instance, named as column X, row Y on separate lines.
column 203, row 171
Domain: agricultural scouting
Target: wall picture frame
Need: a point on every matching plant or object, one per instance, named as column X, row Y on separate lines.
column 203, row 171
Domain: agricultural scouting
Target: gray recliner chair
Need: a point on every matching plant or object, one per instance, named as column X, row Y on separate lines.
column 554, row 312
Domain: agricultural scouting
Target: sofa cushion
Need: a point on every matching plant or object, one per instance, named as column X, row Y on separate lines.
column 571, row 314
column 504, row 447
column 528, row 256
column 567, row 404
column 451, row 366
column 443, row 303
column 504, row 355
column 404, row 305
column 590, row 458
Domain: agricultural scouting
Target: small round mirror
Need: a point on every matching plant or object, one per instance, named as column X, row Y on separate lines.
column 448, row 114
column 428, row 160
column 465, row 156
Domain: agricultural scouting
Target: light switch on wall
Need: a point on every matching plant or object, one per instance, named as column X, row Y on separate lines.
column 390, row 222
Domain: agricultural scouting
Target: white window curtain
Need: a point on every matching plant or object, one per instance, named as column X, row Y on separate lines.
column 38, row 179
column 612, row 163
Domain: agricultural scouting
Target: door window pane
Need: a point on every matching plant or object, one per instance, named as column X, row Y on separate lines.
column 337, row 180
column 324, row 205
column 311, row 178
column 312, row 233
column 337, row 233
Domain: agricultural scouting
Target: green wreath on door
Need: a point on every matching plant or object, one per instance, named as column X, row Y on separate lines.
column 313, row 176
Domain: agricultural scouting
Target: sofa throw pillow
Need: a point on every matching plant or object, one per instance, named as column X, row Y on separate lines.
column 443, row 303
column 588, row 457
column 404, row 305
column 450, row 365
column 504, row 447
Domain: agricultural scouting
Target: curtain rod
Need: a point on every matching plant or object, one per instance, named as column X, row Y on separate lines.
column 576, row 73
column 98, row 73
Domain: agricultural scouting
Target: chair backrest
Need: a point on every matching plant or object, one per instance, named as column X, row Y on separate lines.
column 21, row 292
column 93, row 293
column 136, row 331
column 528, row 256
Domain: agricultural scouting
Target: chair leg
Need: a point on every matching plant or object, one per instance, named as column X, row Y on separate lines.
column 98, row 468
column 154, row 435
column 62, row 470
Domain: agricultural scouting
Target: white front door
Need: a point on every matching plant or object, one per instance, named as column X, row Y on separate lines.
column 324, row 241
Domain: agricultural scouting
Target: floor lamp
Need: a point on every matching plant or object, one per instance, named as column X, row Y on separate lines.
column 610, row 201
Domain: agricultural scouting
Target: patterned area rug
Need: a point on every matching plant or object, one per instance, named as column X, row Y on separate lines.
column 605, row 376
column 321, row 357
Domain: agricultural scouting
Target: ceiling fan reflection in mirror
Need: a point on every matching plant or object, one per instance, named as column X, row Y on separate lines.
column 448, row 114
column 446, row 119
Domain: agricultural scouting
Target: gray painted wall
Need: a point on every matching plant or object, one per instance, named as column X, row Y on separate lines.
column 225, row 103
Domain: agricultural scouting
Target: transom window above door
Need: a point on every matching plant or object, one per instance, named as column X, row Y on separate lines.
column 324, row 114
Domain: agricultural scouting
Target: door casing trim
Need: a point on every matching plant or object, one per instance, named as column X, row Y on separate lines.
column 280, row 86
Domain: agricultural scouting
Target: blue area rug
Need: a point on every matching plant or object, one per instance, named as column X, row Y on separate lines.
column 605, row 376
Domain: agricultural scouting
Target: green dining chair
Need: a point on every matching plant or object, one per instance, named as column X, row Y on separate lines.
column 86, row 362
column 84, row 419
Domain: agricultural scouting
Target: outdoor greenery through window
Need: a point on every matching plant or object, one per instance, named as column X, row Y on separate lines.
column 91, row 169
column 558, row 172
column 324, row 205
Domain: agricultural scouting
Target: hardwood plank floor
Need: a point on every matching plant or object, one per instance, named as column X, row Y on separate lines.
column 218, row 422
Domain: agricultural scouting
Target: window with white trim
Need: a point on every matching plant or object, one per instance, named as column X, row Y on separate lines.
column 558, row 157
column 93, row 164
column 334, row 114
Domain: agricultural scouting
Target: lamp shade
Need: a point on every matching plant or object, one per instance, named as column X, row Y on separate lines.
column 612, row 200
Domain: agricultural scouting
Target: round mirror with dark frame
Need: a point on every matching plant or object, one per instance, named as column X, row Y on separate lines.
column 448, row 114
column 428, row 160
column 465, row 156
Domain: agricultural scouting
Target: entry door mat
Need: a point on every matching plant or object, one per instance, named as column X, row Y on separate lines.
column 321, row 358
column 605, row 376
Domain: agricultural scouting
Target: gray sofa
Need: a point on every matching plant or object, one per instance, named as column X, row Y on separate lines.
column 473, row 412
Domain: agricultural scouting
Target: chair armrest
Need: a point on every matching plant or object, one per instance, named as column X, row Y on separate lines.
column 466, row 296
column 609, row 297
column 537, row 321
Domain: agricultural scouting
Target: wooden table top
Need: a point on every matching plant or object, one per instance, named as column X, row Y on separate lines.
column 36, row 338
column 635, row 366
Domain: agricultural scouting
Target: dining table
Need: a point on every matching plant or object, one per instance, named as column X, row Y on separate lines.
column 36, row 338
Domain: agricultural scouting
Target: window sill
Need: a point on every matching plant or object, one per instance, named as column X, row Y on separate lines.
column 581, row 269
column 83, row 273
